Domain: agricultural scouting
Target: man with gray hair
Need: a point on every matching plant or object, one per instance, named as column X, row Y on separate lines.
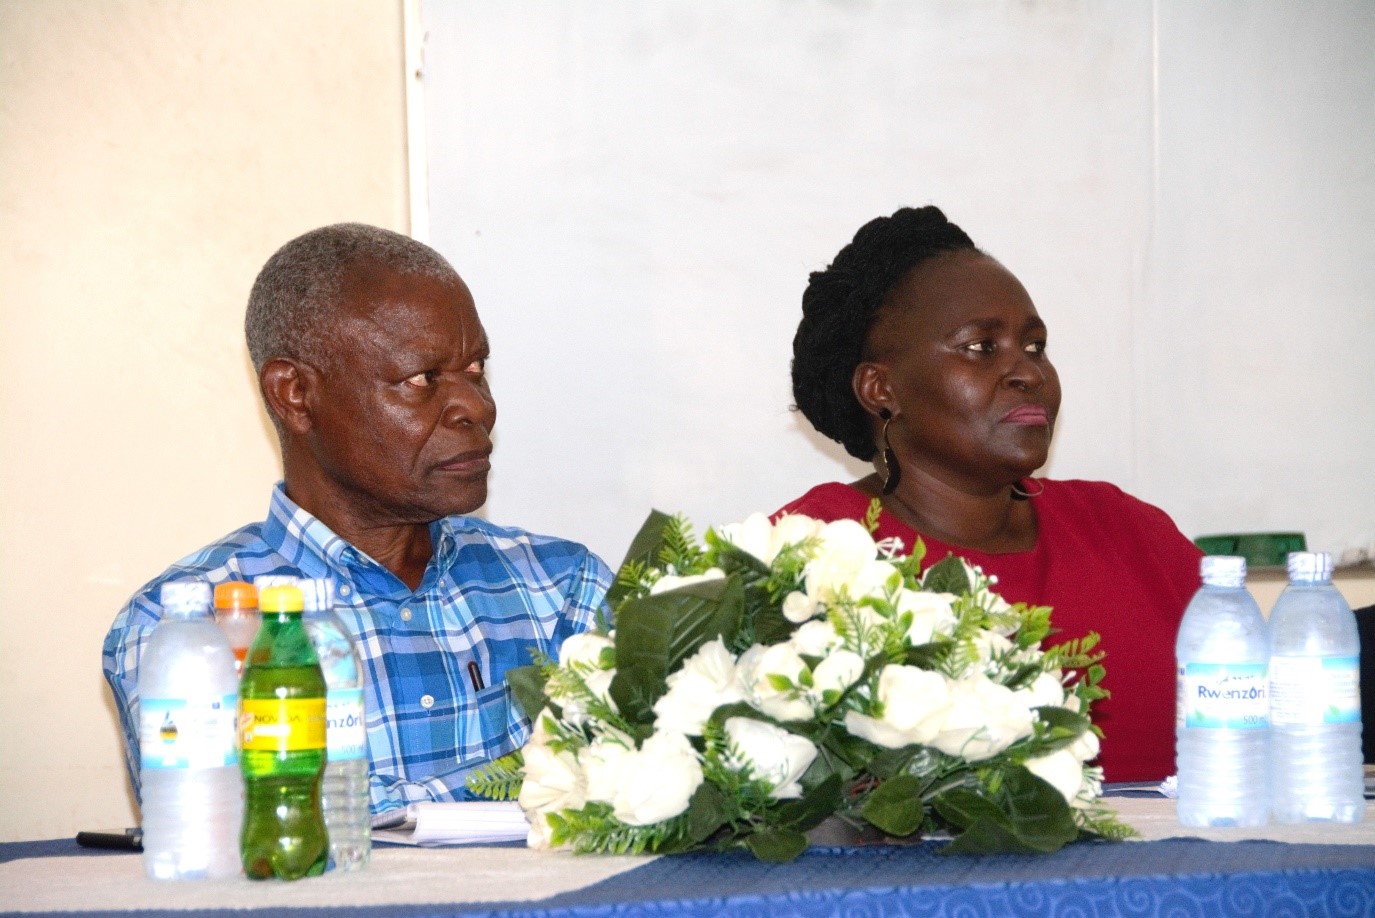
column 371, row 361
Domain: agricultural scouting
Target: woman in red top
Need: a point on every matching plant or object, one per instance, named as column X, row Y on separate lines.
column 921, row 353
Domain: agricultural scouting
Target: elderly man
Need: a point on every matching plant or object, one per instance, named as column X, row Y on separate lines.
column 371, row 361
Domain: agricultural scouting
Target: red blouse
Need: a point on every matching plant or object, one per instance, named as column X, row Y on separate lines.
column 1105, row 562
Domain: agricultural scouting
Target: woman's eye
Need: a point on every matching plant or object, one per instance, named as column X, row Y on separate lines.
column 422, row 380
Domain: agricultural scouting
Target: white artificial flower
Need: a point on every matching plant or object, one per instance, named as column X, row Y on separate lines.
column 599, row 684
column 756, row 666
column 542, row 729
column 798, row 607
column 837, row 672
column 839, row 565
column 983, row 719
column 753, row 536
column 603, row 762
column 541, row 834
column 933, row 615
column 1085, row 747
column 584, row 651
column 674, row 582
column 553, row 781
column 706, row 680
column 1044, row 691
column 913, row 702
column 1061, row 770
column 658, row 780
column 792, row 529
column 815, row 639
column 773, row 754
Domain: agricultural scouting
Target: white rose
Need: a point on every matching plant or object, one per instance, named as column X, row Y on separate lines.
column 756, row 666
column 753, row 536
column 798, row 607
column 706, row 680
column 584, row 651
column 542, row 730
column 1044, row 691
column 932, row 615
column 846, row 548
column 553, row 781
column 599, row 684
column 657, row 781
column 983, row 719
column 674, row 582
column 837, row 672
column 603, row 763
column 815, row 639
column 541, row 834
column 1061, row 770
column 773, row 754
column 792, row 529
column 913, row 702
column 1086, row 747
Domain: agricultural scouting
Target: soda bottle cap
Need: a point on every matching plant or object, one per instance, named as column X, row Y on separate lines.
column 280, row 599
column 1310, row 566
column 318, row 593
column 270, row 580
column 235, row 594
column 185, row 597
column 1223, row 570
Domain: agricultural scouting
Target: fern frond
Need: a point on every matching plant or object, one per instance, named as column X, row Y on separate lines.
column 499, row 779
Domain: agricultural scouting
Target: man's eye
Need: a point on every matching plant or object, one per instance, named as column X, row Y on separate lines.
column 980, row 347
column 422, row 380
column 477, row 367
column 1035, row 347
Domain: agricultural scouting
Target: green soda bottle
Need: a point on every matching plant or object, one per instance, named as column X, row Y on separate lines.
column 282, row 739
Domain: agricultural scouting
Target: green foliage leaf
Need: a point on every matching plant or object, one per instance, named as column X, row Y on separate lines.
column 654, row 634
column 1028, row 817
column 776, row 845
column 895, row 806
column 499, row 779
column 947, row 576
column 527, row 688
column 644, row 551
column 815, row 804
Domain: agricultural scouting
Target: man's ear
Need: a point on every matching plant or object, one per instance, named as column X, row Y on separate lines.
column 287, row 388
column 871, row 387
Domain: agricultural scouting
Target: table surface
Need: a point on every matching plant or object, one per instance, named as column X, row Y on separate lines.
column 1313, row 869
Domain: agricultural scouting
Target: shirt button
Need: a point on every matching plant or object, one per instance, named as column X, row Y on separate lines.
column 345, row 590
column 427, row 701
column 405, row 614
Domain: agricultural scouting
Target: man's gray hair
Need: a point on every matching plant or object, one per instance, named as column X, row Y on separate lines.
column 289, row 306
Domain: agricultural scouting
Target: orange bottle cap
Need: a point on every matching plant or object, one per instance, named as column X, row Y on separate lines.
column 235, row 594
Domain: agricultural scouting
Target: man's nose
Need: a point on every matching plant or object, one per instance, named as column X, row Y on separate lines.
column 467, row 402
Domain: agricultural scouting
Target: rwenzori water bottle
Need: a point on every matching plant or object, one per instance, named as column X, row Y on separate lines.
column 1315, row 698
column 1222, row 720
column 188, row 707
column 345, row 787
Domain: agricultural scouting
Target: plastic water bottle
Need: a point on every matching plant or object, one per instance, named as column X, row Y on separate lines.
column 188, row 698
column 282, row 742
column 1223, row 712
column 236, row 612
column 1315, row 698
column 345, row 788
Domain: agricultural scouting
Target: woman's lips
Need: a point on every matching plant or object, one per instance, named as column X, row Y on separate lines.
column 1028, row 414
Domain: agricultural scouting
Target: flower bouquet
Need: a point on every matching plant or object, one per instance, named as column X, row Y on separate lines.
column 782, row 673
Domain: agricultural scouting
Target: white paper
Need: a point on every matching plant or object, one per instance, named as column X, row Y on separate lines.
column 469, row 822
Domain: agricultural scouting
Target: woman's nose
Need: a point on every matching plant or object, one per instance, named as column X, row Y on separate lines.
column 1025, row 373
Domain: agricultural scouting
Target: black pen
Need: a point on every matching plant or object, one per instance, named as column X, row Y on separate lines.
column 475, row 674
column 128, row 840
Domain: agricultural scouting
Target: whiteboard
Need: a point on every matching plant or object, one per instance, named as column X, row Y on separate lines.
column 636, row 193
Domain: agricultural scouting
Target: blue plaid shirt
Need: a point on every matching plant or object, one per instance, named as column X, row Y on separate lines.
column 490, row 596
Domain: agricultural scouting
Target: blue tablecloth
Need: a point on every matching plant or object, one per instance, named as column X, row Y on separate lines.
column 1175, row 877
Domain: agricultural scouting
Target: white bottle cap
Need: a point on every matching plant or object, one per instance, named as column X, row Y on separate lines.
column 271, row 580
column 318, row 593
column 1223, row 570
column 185, row 597
column 1310, row 566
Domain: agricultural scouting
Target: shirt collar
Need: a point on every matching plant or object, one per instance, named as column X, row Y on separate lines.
column 298, row 536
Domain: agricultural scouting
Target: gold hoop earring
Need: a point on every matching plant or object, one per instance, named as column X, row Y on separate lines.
column 892, row 472
column 1021, row 493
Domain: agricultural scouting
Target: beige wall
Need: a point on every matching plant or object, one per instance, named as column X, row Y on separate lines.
column 152, row 155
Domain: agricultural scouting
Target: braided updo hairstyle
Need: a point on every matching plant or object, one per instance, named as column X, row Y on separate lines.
column 839, row 307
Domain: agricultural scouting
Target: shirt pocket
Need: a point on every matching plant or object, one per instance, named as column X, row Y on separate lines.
column 502, row 728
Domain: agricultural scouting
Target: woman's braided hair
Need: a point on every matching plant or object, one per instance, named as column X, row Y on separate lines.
column 839, row 307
